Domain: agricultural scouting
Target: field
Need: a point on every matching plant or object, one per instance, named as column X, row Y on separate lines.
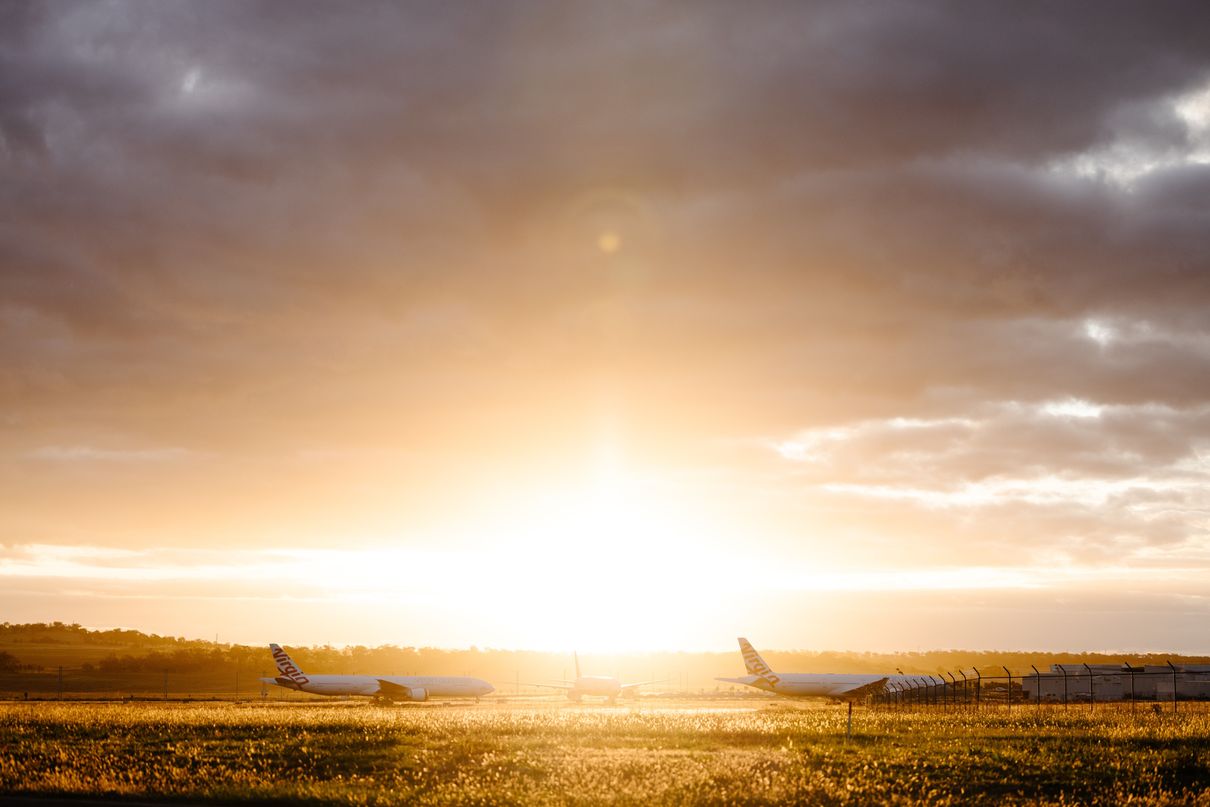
column 554, row 752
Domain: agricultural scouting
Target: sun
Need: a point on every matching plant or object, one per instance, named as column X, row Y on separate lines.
column 597, row 565
column 609, row 242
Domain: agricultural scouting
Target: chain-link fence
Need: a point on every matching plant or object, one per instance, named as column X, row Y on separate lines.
column 1063, row 684
column 89, row 683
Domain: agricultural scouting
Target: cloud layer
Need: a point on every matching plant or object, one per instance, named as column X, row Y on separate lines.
column 930, row 279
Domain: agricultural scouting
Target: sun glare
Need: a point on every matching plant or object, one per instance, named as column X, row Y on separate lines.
column 609, row 242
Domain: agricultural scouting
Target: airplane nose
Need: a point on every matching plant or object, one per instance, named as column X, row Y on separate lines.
column 486, row 688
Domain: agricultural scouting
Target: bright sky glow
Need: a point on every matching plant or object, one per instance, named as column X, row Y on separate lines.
column 1098, row 332
column 1126, row 161
column 1073, row 408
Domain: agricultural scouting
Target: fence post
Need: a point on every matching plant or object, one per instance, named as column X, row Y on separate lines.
column 966, row 695
column 1169, row 663
column 1130, row 670
column 1092, row 698
column 1010, row 688
column 953, row 690
column 1063, row 668
column 978, row 687
column 1037, row 687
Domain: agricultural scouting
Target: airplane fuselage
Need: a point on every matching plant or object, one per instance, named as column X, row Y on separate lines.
column 433, row 686
column 817, row 685
column 596, row 686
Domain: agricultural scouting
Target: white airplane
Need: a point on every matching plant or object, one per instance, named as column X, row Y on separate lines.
column 603, row 686
column 387, row 687
column 828, row 685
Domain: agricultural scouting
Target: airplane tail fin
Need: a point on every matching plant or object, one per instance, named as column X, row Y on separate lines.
column 576, row 656
column 286, row 667
column 755, row 664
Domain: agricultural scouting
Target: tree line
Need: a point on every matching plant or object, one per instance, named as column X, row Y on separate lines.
column 136, row 652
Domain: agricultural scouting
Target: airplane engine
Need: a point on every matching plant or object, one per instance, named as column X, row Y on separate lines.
column 418, row 694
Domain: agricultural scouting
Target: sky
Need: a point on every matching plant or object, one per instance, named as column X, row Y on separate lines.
column 609, row 326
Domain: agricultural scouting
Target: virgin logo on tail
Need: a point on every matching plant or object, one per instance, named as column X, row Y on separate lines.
column 286, row 667
column 755, row 664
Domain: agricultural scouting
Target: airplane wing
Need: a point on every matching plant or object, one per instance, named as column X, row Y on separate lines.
column 747, row 680
column 393, row 690
column 552, row 686
column 872, row 688
column 644, row 683
column 281, row 681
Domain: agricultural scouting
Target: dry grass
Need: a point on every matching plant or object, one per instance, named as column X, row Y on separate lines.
column 556, row 753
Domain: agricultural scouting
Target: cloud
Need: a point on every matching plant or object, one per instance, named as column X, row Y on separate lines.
column 94, row 454
column 911, row 246
column 1084, row 482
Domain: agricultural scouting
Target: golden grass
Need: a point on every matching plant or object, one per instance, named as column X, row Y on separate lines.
column 559, row 754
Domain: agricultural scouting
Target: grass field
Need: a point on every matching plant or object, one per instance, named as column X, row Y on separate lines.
column 553, row 752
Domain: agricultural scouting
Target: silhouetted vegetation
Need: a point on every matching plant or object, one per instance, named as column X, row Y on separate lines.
column 8, row 662
column 67, row 658
column 111, row 654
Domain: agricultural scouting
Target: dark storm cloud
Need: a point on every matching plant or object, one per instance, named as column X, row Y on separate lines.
column 281, row 135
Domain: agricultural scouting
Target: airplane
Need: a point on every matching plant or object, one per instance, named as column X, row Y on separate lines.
column 604, row 686
column 382, row 687
column 828, row 685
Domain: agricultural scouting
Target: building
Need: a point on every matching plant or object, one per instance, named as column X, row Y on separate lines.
column 1110, row 682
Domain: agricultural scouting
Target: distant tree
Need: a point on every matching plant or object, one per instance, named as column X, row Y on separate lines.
column 8, row 662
